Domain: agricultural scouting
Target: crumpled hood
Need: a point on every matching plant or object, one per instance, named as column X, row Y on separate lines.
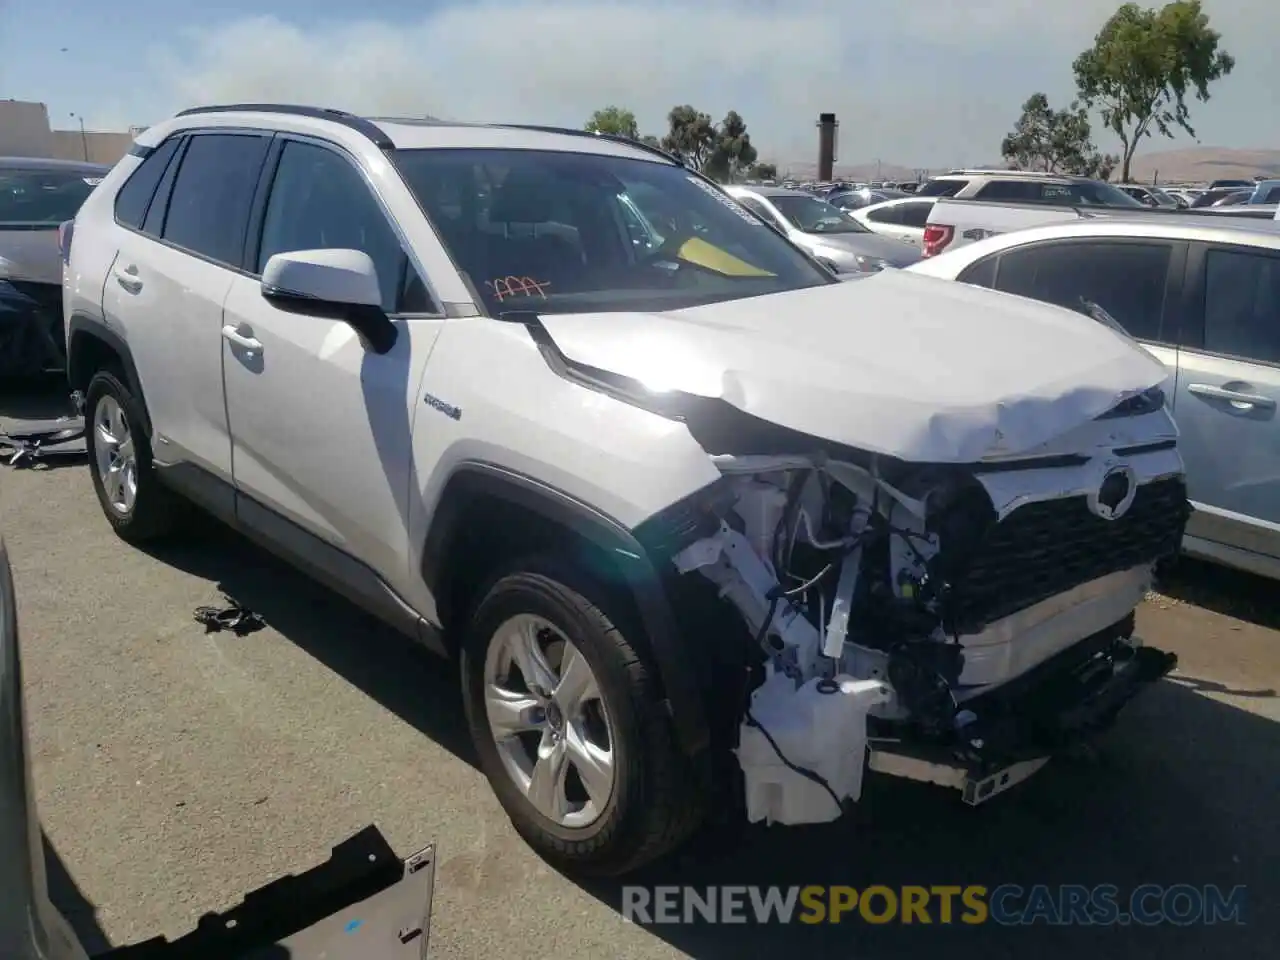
column 901, row 364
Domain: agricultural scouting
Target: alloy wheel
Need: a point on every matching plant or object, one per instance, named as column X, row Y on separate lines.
column 549, row 721
column 116, row 459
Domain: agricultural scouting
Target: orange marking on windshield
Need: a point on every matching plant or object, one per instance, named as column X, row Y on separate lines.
column 505, row 287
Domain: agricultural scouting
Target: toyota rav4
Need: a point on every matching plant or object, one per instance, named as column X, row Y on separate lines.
column 698, row 521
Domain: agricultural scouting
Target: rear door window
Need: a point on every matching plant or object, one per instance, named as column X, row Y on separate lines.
column 1020, row 190
column 135, row 196
column 892, row 214
column 153, row 225
column 941, row 188
column 982, row 273
column 1128, row 280
column 916, row 214
column 1242, row 304
column 758, row 208
column 209, row 208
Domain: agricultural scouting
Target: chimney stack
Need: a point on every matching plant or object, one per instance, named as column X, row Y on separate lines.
column 827, row 126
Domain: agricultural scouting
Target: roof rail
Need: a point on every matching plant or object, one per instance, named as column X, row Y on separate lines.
column 360, row 125
column 612, row 137
column 999, row 172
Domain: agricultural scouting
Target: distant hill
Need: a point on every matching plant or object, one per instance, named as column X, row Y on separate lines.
column 1191, row 164
column 1205, row 163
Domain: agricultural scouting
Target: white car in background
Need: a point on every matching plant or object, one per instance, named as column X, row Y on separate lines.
column 825, row 232
column 902, row 219
column 1202, row 294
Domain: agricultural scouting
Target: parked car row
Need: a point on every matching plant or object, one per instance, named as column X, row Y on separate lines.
column 839, row 242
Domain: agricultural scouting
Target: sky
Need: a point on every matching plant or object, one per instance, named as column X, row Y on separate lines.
column 917, row 83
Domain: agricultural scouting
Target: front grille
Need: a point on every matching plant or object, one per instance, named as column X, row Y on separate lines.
column 1044, row 549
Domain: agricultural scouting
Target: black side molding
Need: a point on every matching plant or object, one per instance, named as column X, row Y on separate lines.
column 475, row 479
column 360, row 125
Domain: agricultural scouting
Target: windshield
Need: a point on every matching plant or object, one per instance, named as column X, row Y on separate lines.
column 38, row 197
column 811, row 215
column 562, row 232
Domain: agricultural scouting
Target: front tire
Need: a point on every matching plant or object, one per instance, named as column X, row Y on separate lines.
column 136, row 504
column 569, row 726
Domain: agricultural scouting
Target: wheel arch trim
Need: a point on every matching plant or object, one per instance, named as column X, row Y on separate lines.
column 473, row 479
column 80, row 328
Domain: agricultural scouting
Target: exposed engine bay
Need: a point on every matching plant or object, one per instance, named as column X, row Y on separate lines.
column 950, row 633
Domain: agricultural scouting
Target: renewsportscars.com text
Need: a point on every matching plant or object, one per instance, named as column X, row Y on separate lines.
column 1007, row 905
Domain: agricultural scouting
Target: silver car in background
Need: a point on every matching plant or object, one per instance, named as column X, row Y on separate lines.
column 824, row 231
column 36, row 197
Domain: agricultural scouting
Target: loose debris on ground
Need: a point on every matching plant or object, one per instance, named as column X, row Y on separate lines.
column 235, row 617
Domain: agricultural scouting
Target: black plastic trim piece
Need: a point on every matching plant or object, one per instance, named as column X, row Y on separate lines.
column 472, row 479
column 141, row 150
column 258, row 206
column 363, row 901
column 360, row 125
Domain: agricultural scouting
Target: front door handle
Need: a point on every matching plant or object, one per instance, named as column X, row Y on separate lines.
column 1238, row 399
column 128, row 279
column 232, row 335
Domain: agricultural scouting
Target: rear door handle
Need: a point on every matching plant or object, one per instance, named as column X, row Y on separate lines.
column 233, row 336
column 128, row 279
column 1234, row 397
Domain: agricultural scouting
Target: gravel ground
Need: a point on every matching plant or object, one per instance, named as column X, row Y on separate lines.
column 176, row 770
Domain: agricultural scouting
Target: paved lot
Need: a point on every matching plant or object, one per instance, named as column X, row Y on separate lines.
column 176, row 770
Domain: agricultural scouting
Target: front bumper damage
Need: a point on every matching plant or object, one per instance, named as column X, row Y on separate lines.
column 1016, row 729
column 957, row 626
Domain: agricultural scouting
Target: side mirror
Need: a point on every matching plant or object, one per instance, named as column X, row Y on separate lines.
column 335, row 284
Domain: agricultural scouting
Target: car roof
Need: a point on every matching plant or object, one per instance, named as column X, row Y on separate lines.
column 406, row 133
column 51, row 164
column 1010, row 175
column 909, row 198
column 1214, row 229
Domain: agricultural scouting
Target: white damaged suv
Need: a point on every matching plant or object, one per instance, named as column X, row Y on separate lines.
column 697, row 521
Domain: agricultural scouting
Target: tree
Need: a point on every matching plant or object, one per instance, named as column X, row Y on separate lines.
column 1100, row 166
column 1054, row 141
column 691, row 136
column 614, row 120
column 763, row 171
column 1142, row 66
column 733, row 150
column 650, row 140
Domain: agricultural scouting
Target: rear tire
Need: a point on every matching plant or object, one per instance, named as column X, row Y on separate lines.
column 651, row 806
column 136, row 504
